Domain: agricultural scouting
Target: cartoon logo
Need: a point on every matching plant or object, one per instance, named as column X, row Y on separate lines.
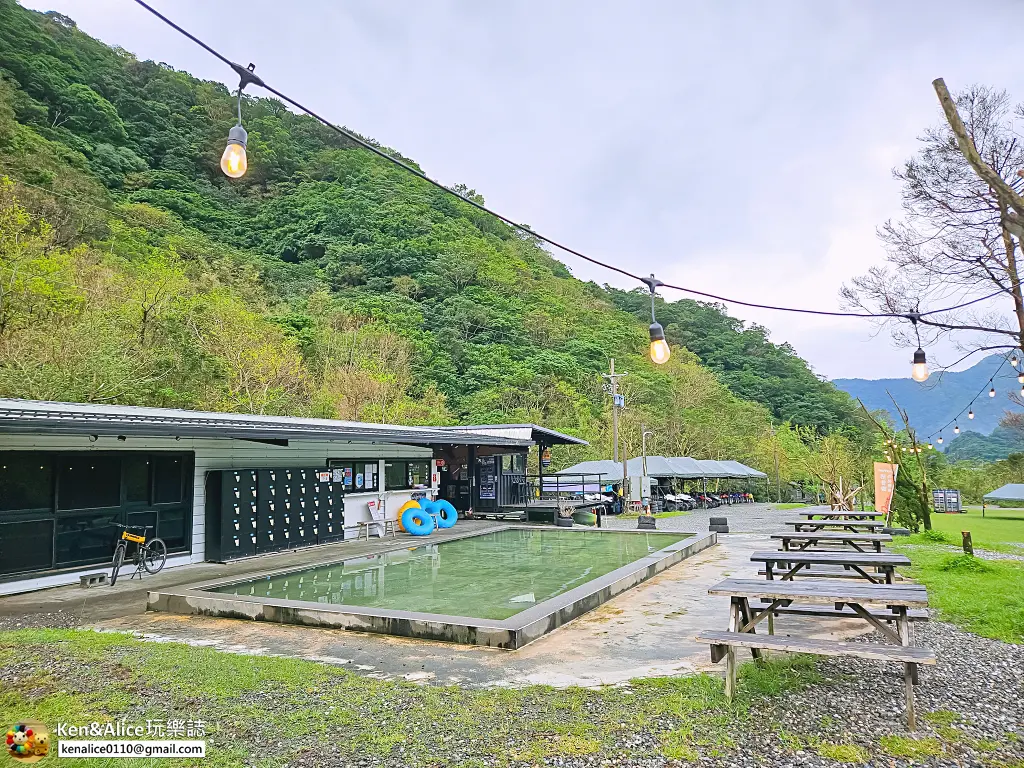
column 28, row 742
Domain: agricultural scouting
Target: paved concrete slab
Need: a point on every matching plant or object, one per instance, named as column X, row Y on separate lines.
column 646, row 631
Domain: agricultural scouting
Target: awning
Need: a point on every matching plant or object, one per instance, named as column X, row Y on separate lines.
column 742, row 470
column 1009, row 492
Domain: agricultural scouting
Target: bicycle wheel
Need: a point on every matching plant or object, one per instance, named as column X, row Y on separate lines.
column 118, row 560
column 154, row 556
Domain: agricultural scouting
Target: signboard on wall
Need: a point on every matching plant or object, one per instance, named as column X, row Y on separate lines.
column 488, row 479
column 885, row 484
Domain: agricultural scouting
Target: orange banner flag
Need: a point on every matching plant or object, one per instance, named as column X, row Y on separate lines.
column 885, row 484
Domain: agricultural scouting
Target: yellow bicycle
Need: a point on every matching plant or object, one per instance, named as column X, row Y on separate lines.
column 149, row 554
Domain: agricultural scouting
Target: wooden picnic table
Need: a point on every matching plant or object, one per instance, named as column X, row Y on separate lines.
column 844, row 515
column 791, row 563
column 897, row 599
column 804, row 540
column 845, row 525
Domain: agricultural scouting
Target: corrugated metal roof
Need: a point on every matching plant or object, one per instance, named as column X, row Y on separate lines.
column 35, row 416
column 531, row 432
column 661, row 466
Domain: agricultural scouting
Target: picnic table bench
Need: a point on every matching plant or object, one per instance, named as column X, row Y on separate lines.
column 806, row 539
column 897, row 599
column 843, row 525
column 856, row 563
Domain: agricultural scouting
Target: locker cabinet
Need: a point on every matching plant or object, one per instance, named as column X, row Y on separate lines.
column 255, row 511
column 231, row 514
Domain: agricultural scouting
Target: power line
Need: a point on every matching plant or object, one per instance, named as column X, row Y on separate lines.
column 247, row 77
column 989, row 385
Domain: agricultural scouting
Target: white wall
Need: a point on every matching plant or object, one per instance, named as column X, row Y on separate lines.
column 212, row 453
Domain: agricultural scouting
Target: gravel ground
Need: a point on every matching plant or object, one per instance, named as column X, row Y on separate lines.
column 57, row 620
column 743, row 518
column 984, row 554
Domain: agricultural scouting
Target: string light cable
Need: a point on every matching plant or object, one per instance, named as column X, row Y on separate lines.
column 989, row 385
column 248, row 77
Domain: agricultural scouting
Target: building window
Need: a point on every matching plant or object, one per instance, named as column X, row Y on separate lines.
column 26, row 481
column 357, row 476
column 419, row 474
column 396, row 476
column 136, row 479
column 167, row 479
column 89, row 481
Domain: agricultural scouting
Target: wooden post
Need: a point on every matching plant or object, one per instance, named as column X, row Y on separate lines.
column 903, row 625
column 968, row 544
column 730, row 654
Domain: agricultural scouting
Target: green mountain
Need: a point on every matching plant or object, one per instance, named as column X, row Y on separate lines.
column 326, row 281
column 937, row 401
column 974, row 446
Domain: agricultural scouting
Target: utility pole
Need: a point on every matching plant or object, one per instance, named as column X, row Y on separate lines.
column 775, row 448
column 617, row 402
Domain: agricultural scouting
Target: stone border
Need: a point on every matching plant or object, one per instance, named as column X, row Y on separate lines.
column 512, row 633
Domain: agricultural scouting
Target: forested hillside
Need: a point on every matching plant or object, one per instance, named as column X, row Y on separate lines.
column 325, row 281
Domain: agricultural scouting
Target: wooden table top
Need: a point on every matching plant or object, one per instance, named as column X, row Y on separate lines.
column 825, row 591
column 831, row 536
column 847, row 557
column 869, row 524
column 841, row 515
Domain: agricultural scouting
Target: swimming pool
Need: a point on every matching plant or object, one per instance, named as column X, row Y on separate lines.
column 502, row 588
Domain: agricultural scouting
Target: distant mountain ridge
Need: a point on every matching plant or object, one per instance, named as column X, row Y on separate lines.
column 935, row 402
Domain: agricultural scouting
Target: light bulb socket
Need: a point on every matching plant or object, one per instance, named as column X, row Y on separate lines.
column 919, row 357
column 238, row 135
column 657, row 332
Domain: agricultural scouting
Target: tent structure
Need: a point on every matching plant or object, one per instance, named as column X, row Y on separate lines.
column 682, row 467
column 736, row 467
column 1009, row 492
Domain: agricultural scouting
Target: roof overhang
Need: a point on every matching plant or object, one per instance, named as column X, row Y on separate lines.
column 39, row 417
column 531, row 432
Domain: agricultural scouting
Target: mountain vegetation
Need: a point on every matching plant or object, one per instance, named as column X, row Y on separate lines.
column 937, row 401
column 973, row 446
column 326, row 281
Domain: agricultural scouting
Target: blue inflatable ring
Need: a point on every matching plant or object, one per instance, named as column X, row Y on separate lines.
column 417, row 522
column 447, row 515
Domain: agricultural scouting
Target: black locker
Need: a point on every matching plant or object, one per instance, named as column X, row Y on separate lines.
column 302, row 521
column 231, row 514
column 332, row 514
column 270, row 536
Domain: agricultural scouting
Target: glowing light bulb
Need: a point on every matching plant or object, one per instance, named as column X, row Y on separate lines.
column 234, row 162
column 919, row 371
column 992, row 392
column 956, row 429
column 940, row 439
column 660, row 353
column 1013, row 360
column 970, row 414
column 930, row 446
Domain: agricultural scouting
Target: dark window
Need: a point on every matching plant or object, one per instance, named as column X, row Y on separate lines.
column 166, row 479
column 25, row 481
column 136, row 479
column 26, row 546
column 395, row 475
column 173, row 528
column 86, row 538
column 89, row 482
column 519, row 463
column 419, row 474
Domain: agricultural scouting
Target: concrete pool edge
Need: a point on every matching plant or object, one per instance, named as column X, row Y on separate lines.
column 512, row 633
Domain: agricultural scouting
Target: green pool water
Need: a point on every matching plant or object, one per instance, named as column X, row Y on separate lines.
column 490, row 576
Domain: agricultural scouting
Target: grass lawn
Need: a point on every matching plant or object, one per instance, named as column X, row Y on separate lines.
column 997, row 529
column 263, row 711
column 983, row 596
column 789, row 505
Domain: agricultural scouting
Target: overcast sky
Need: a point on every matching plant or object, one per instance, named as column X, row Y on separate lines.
column 739, row 148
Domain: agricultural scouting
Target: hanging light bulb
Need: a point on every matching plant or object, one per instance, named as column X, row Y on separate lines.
column 940, row 439
column 1013, row 360
column 992, row 392
column 919, row 371
column 233, row 162
column 970, row 414
column 930, row 446
column 660, row 353
column 956, row 429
